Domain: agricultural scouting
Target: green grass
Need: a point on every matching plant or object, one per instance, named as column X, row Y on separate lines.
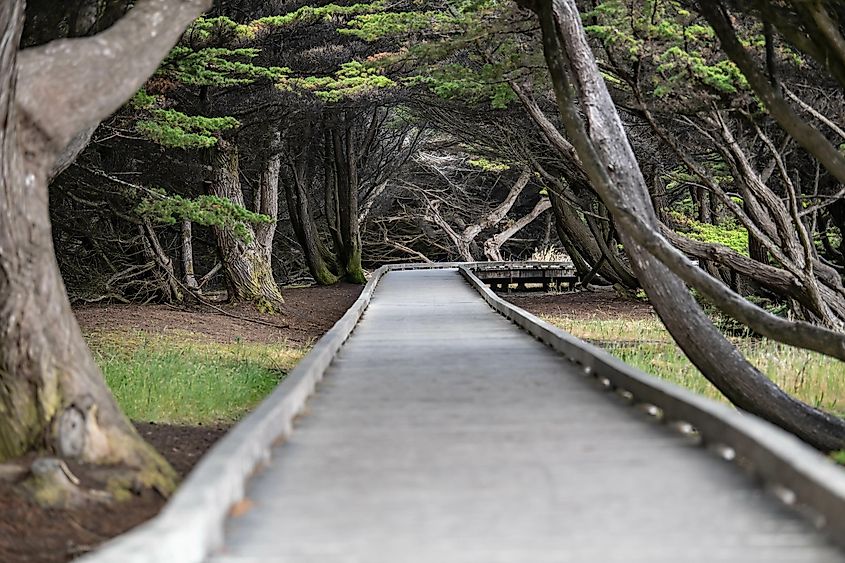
column 645, row 344
column 183, row 379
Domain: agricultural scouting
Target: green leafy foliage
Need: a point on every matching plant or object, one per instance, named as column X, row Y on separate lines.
column 681, row 54
column 353, row 79
column 447, row 51
column 472, row 85
column 385, row 24
column 728, row 235
column 210, row 30
column 216, row 66
column 142, row 100
column 205, row 210
column 172, row 128
column 310, row 14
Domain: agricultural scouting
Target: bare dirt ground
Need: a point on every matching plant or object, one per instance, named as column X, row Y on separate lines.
column 29, row 533
column 308, row 313
column 600, row 305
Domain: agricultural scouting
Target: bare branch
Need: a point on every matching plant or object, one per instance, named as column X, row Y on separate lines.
column 69, row 85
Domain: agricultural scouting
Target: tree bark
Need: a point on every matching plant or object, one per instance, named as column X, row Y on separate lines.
column 268, row 199
column 302, row 220
column 346, row 174
column 493, row 245
column 188, row 256
column 52, row 393
column 465, row 239
column 249, row 273
column 602, row 145
column 163, row 272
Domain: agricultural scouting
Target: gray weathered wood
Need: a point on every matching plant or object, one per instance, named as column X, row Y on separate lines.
column 442, row 433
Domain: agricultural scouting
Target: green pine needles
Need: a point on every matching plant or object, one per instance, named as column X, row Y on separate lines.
column 206, row 210
column 174, row 129
column 217, row 66
column 352, row 80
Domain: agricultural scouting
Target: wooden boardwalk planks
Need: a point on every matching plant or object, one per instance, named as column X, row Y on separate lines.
column 442, row 433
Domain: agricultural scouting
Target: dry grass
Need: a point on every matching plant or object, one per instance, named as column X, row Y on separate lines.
column 645, row 343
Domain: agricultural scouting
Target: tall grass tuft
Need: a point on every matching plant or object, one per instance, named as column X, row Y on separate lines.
column 549, row 253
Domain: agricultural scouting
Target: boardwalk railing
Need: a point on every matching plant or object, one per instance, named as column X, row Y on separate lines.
column 191, row 524
column 798, row 474
column 502, row 275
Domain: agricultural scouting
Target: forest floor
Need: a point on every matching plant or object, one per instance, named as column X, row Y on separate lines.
column 184, row 376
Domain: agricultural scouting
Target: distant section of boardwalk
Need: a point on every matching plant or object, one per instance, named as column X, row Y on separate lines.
column 442, row 433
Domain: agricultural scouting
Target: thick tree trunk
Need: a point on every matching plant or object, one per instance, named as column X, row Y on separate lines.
column 52, row 394
column 249, row 274
column 602, row 145
column 302, row 221
column 588, row 247
column 346, row 171
column 267, row 199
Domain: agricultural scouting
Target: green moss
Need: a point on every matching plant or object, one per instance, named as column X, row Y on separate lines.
column 488, row 165
column 731, row 236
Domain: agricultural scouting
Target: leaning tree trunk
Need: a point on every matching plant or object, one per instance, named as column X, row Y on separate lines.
column 330, row 203
column 52, row 394
column 493, row 245
column 302, row 221
column 602, row 145
column 305, row 229
column 246, row 263
column 346, row 170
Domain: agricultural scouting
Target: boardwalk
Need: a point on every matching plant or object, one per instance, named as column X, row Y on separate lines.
column 444, row 434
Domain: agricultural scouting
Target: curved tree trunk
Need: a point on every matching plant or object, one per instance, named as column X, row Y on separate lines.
column 302, row 221
column 249, row 274
column 52, row 394
column 586, row 244
column 602, row 145
column 493, row 245
column 589, row 255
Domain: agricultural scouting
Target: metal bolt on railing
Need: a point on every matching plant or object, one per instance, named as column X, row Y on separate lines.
column 724, row 451
column 684, row 427
column 786, row 495
column 626, row 395
column 651, row 410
